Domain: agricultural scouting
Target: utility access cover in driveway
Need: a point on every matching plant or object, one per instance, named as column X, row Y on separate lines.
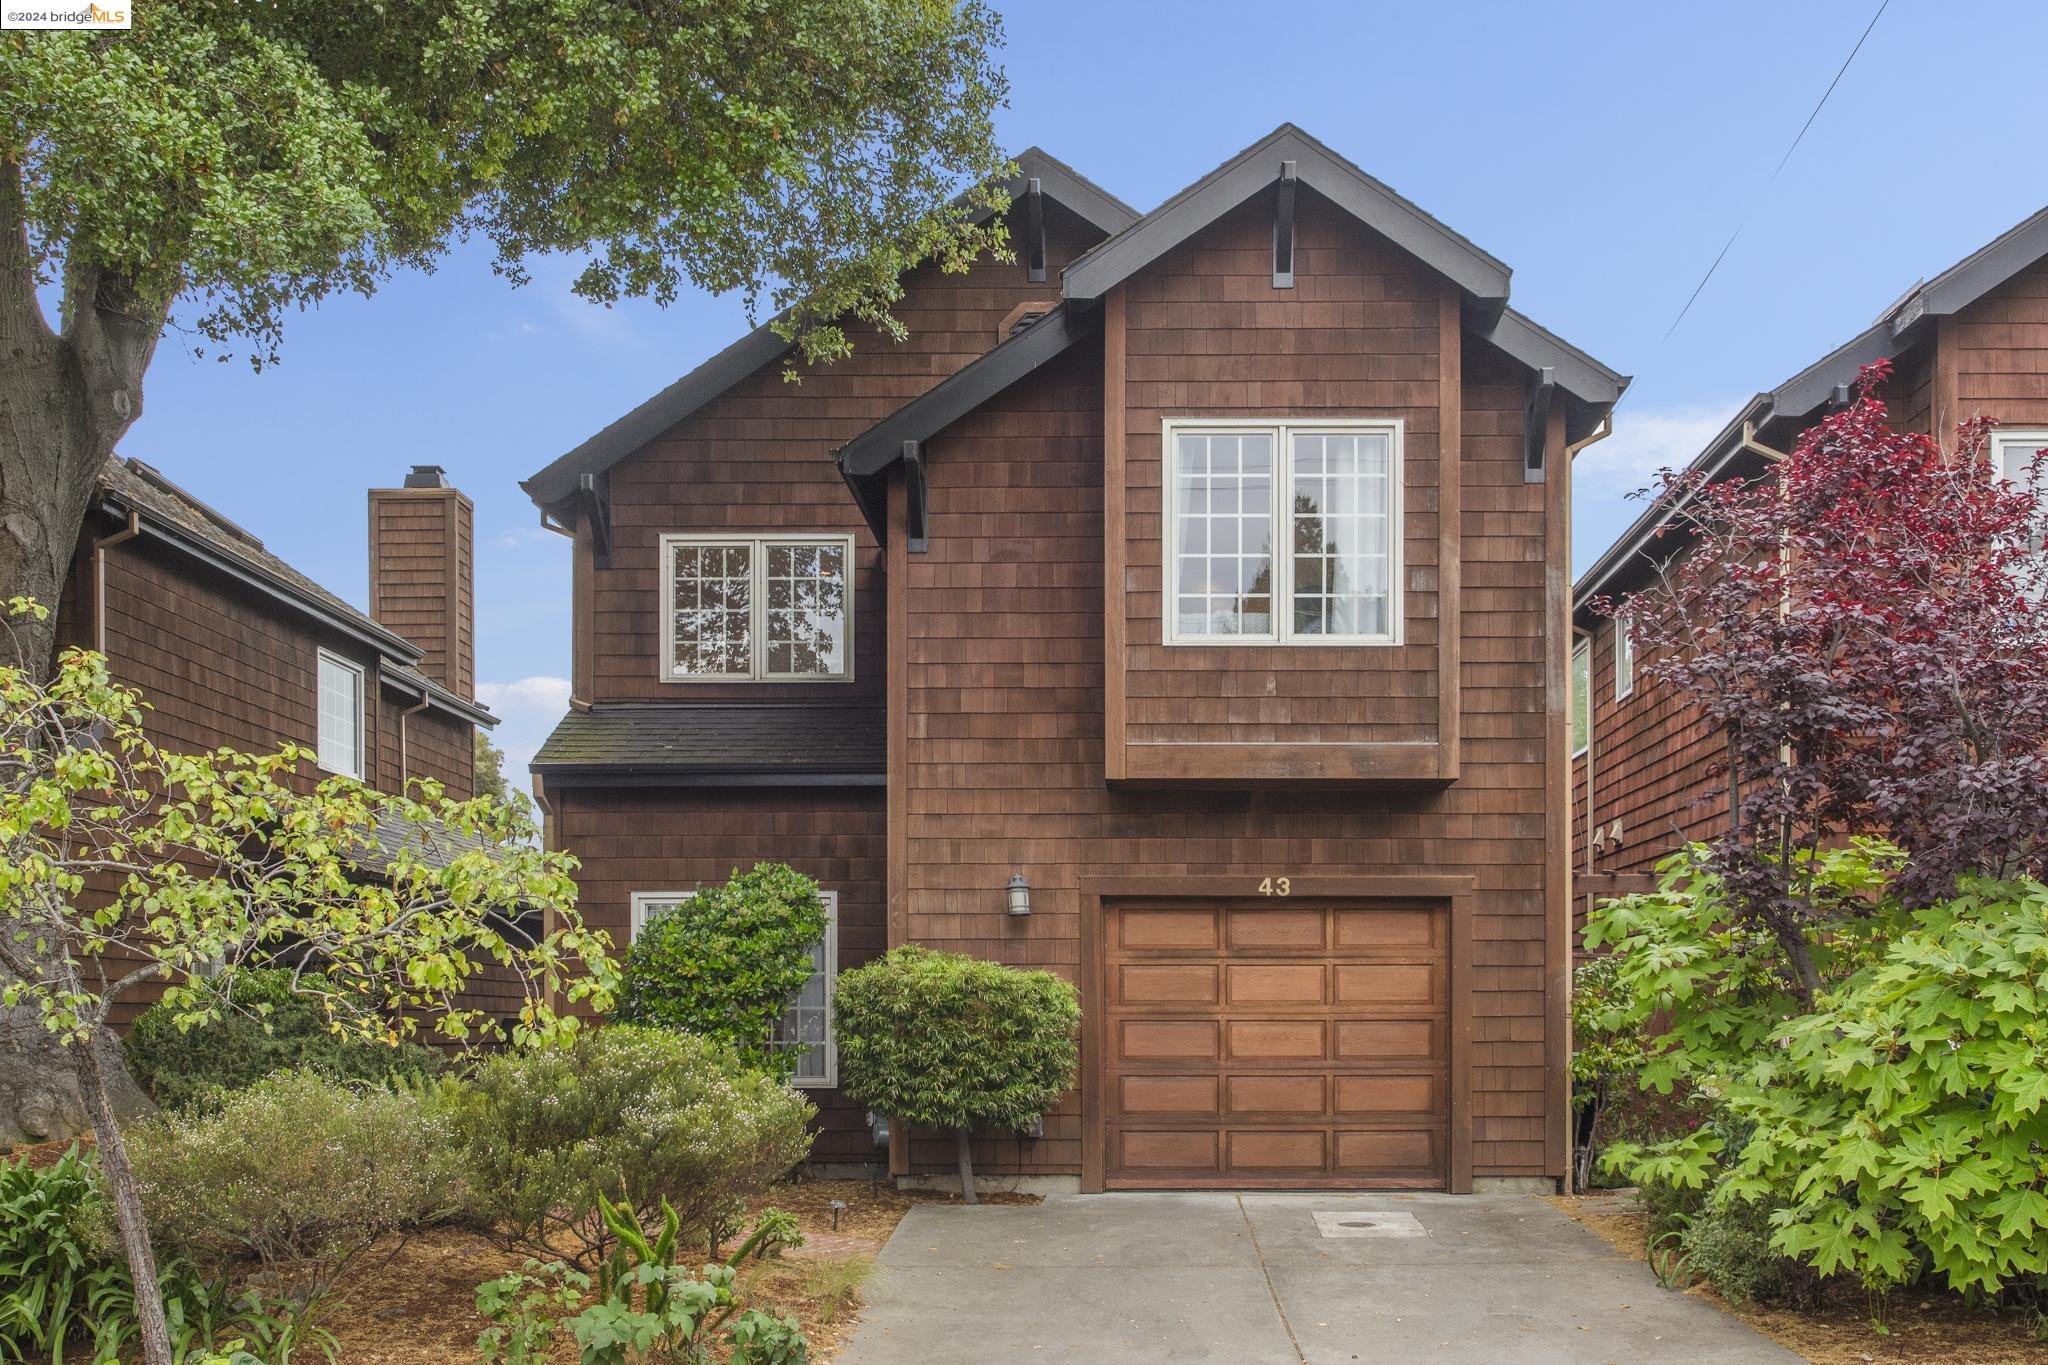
column 1252, row 1280
column 1367, row 1223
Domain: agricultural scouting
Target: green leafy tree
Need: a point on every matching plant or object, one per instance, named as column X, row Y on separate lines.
column 1897, row 1125
column 953, row 1042
column 725, row 962
column 222, row 164
column 490, row 779
column 203, row 864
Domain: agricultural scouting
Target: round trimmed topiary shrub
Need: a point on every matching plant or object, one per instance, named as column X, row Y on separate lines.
column 724, row 963
column 953, row 1042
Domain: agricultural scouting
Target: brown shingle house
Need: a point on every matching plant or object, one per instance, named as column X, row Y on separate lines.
column 1204, row 569
column 1972, row 341
column 230, row 645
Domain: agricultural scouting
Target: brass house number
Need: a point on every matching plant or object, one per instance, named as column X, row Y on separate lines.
column 1276, row 886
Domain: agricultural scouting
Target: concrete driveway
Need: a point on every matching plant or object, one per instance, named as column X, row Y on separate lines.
column 1252, row 1279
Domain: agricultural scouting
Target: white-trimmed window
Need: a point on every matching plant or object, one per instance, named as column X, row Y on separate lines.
column 1582, row 695
column 339, row 746
column 2013, row 455
column 1624, row 661
column 774, row 608
column 1283, row 532
column 806, row 1025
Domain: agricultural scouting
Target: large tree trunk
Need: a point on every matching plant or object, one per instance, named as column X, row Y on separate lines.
column 96, row 1088
column 66, row 398
column 964, row 1145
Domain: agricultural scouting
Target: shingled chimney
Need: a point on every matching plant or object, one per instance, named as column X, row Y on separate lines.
column 422, row 571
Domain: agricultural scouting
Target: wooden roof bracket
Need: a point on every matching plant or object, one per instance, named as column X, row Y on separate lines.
column 595, row 490
column 919, row 494
column 1536, row 422
column 1034, row 231
column 1283, row 227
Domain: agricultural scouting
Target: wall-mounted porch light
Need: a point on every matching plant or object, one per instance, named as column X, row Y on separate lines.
column 1020, row 896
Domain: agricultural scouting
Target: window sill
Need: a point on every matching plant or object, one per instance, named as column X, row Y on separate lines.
column 1389, row 765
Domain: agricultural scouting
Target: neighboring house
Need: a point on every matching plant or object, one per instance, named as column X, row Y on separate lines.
column 1286, row 801
column 1973, row 341
column 231, row 646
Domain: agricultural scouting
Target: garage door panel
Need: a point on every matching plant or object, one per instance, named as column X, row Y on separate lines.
column 1187, row 1096
column 1151, row 928
column 1146, row 1151
column 1276, row 1040
column 1385, row 1149
column 1393, row 929
column 1356, row 1095
column 1276, row 1096
column 1273, row 930
column 1152, row 983
column 1286, row 983
column 1289, row 1045
column 1152, row 1040
column 1400, row 1040
column 1252, row 1150
column 1388, row 983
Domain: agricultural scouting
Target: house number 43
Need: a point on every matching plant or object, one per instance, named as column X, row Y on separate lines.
column 1276, row 886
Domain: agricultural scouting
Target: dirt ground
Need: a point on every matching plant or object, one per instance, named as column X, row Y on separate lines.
column 1923, row 1329
column 415, row 1304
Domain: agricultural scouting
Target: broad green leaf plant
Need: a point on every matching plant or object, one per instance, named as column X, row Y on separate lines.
column 1896, row 1128
column 122, row 864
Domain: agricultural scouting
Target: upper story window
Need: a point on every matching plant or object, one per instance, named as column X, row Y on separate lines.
column 1582, row 695
column 756, row 608
column 340, row 746
column 806, row 1025
column 1283, row 532
column 2014, row 454
column 1624, row 661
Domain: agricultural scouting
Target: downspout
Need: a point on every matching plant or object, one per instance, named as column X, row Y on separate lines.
column 99, row 578
column 549, row 831
column 404, row 761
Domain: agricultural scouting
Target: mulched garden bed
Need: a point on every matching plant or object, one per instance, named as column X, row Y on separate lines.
column 1922, row 1328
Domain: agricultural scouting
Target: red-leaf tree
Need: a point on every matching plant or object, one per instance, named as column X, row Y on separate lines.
column 1863, row 628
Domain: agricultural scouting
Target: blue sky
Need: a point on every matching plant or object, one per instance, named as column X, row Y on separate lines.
column 1605, row 151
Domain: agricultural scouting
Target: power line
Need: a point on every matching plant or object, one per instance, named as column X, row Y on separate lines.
column 1883, row 4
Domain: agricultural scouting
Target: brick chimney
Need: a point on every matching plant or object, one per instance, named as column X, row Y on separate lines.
column 422, row 573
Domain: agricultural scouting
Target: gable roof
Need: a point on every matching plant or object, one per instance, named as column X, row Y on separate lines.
column 171, row 514
column 1482, row 276
column 1823, row 382
column 764, row 345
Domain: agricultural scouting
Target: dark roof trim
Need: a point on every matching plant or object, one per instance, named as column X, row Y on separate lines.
column 416, row 684
column 654, row 775
column 1577, row 373
column 1259, row 166
column 961, row 392
column 360, row 629
column 763, row 346
column 1793, row 400
column 1976, row 275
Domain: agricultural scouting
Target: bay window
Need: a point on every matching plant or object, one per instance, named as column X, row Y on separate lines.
column 1283, row 532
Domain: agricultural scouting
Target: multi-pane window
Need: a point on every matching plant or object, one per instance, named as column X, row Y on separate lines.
column 339, row 746
column 2017, row 457
column 806, row 1024
column 1283, row 532
column 1624, row 660
column 1582, row 695
column 757, row 607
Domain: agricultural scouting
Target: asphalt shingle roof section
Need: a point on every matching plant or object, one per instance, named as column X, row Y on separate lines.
column 760, row 739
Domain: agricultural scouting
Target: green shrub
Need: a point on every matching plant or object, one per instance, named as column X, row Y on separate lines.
column 954, row 1042
column 1729, row 1246
column 1896, row 1126
column 724, row 963
column 298, row 1172
column 273, row 1028
column 639, row 1115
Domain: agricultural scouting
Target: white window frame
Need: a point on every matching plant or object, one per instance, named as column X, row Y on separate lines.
column 1583, row 699
column 757, row 626
column 644, row 902
column 1282, row 429
column 1624, row 647
column 2001, row 437
column 356, row 671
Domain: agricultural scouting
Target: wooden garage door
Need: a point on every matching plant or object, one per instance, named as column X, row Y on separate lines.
column 1296, row 1045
